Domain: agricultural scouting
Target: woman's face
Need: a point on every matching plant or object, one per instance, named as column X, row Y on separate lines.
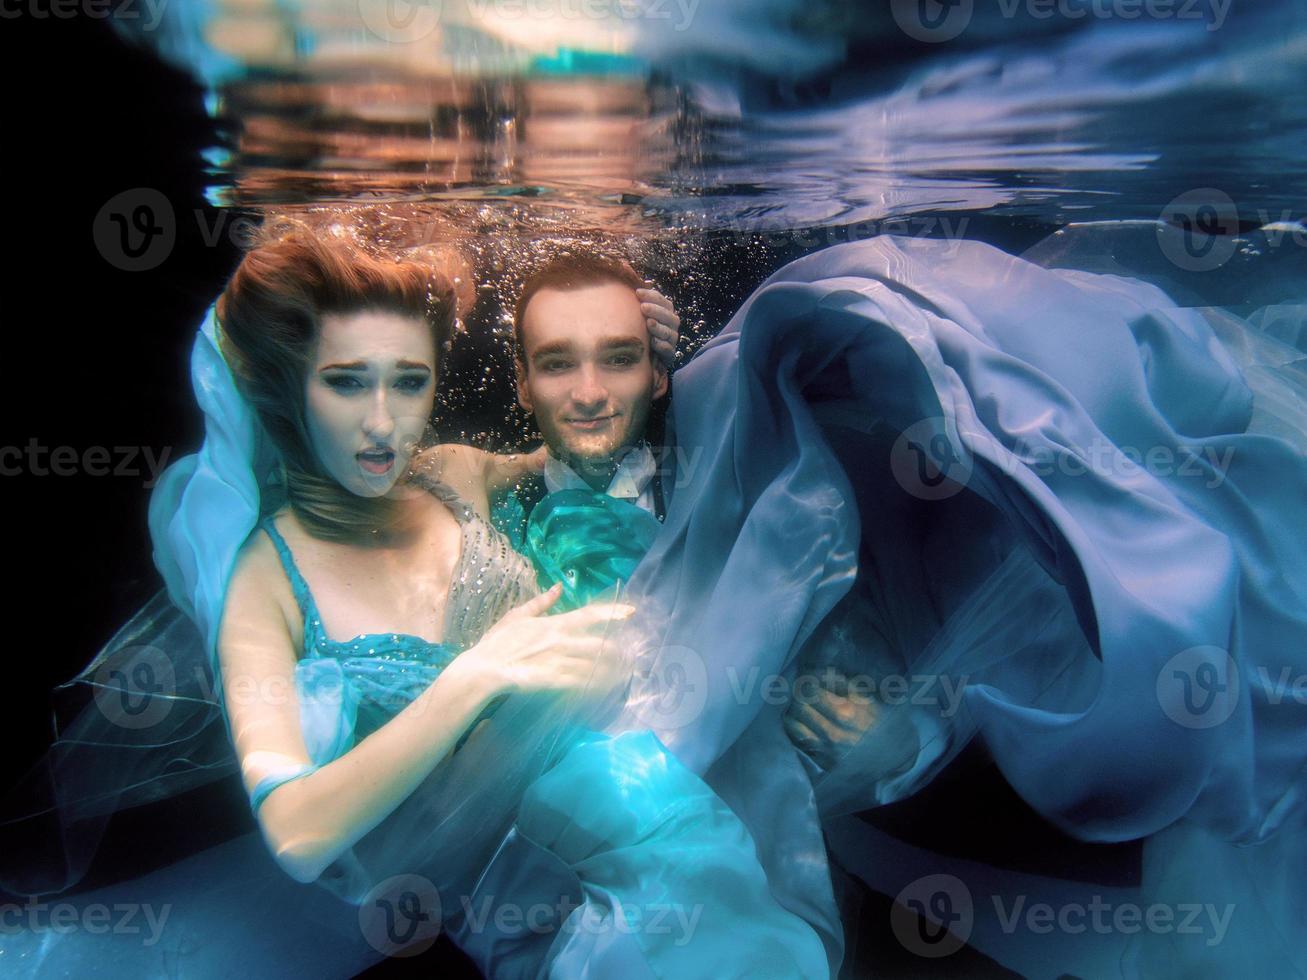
column 369, row 392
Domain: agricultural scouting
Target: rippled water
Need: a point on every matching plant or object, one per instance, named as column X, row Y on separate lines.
column 709, row 140
column 641, row 115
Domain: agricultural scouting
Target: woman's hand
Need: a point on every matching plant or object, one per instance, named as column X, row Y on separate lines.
column 664, row 325
column 527, row 651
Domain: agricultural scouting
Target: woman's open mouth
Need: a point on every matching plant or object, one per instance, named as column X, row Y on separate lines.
column 376, row 461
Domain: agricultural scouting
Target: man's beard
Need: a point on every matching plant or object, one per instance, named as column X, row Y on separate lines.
column 597, row 462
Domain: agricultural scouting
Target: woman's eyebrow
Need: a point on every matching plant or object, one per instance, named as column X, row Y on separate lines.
column 404, row 365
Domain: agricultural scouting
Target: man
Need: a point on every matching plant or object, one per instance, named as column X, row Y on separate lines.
column 594, row 346
column 593, row 350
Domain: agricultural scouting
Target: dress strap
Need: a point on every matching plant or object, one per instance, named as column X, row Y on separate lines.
column 303, row 597
column 460, row 508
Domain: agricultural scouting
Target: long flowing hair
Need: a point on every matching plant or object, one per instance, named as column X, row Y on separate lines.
column 270, row 318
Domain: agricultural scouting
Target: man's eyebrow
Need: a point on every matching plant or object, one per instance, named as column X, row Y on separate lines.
column 554, row 347
column 621, row 343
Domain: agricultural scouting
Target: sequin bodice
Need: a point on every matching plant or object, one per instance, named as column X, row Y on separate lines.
column 489, row 579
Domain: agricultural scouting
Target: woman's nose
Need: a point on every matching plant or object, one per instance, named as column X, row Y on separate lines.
column 380, row 421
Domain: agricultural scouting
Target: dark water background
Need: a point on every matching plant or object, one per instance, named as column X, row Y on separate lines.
column 739, row 166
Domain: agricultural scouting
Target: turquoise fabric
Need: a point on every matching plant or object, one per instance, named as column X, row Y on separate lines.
column 663, row 873
column 590, row 542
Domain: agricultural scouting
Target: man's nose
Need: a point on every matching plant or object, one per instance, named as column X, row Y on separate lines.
column 589, row 390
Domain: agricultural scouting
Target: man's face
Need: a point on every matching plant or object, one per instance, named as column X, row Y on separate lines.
column 586, row 372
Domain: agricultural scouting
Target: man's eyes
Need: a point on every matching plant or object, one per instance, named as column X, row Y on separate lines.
column 558, row 365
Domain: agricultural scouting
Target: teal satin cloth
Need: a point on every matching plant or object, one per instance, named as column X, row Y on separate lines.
column 587, row 541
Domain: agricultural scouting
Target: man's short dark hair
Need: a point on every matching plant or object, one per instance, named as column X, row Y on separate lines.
column 571, row 270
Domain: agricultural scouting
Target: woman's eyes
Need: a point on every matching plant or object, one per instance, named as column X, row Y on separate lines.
column 412, row 383
column 409, row 384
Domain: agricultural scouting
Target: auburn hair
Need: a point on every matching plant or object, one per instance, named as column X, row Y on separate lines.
column 571, row 270
column 270, row 318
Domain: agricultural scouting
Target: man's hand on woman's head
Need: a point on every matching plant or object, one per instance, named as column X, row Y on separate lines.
column 664, row 325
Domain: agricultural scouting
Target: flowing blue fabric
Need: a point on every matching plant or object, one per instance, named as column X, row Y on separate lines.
column 1062, row 503
column 1064, row 510
column 205, row 506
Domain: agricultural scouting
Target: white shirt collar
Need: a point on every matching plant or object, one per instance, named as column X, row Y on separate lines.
column 633, row 480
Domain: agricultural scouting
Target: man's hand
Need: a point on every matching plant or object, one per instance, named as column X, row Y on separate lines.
column 825, row 719
column 664, row 325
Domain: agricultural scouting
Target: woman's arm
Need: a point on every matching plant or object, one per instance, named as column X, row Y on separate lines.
column 477, row 475
column 311, row 821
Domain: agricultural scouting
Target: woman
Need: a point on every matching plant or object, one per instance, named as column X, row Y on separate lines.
column 415, row 735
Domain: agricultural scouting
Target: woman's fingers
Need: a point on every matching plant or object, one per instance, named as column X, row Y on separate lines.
column 537, row 605
column 663, row 323
column 536, row 459
column 595, row 612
